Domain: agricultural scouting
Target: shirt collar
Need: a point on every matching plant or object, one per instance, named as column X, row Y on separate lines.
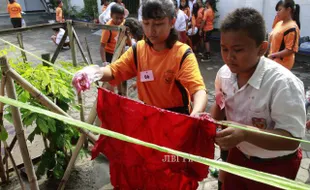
column 256, row 79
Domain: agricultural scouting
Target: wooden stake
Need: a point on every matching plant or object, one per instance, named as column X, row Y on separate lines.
column 72, row 40
column 80, row 46
column 17, row 121
column 2, row 171
column 46, row 57
column 59, row 47
column 88, row 51
column 21, row 45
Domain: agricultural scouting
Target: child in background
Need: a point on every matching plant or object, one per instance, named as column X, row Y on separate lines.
column 15, row 11
column 104, row 4
column 206, row 27
column 59, row 33
column 276, row 18
column 185, row 8
column 59, row 12
column 197, row 16
column 134, row 31
column 284, row 38
column 253, row 91
column 109, row 38
column 181, row 24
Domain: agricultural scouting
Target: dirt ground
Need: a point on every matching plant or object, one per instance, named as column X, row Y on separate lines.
column 93, row 175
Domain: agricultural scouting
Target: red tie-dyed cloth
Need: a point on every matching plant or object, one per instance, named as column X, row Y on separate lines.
column 137, row 167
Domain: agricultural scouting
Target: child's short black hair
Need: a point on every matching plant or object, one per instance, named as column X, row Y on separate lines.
column 11, row 1
column 159, row 9
column 248, row 20
column 59, row 2
column 135, row 28
column 117, row 9
column 280, row 3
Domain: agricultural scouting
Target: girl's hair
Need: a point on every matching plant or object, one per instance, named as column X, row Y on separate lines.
column 11, row 1
column 295, row 10
column 183, row 7
column 135, row 28
column 280, row 3
column 195, row 9
column 159, row 9
column 212, row 4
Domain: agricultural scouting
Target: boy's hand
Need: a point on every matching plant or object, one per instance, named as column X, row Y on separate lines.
column 230, row 137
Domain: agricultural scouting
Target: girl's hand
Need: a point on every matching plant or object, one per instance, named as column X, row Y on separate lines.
column 272, row 56
column 308, row 125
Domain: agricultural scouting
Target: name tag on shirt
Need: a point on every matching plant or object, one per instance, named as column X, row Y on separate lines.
column 146, row 76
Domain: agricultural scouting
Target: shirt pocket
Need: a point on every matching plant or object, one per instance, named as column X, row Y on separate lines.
column 259, row 117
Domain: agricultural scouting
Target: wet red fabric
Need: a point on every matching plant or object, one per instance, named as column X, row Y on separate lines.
column 137, row 167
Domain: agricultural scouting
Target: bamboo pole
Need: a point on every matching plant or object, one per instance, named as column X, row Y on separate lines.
column 15, row 30
column 80, row 46
column 88, row 51
column 97, row 26
column 21, row 45
column 91, row 119
column 43, row 99
column 2, row 171
column 72, row 44
column 59, row 47
column 10, row 88
column 10, row 147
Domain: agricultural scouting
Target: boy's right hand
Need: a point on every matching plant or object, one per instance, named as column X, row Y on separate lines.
column 83, row 78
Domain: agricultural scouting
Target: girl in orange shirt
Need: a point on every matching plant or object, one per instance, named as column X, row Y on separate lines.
column 276, row 19
column 15, row 10
column 207, row 26
column 197, row 16
column 59, row 12
column 284, row 38
column 167, row 71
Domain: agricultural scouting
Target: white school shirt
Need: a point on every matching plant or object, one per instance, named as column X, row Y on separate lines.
column 273, row 98
column 59, row 36
column 180, row 23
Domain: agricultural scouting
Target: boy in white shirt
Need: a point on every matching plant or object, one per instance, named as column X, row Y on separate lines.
column 257, row 93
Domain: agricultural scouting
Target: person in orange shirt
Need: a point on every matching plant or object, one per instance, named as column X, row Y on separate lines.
column 276, row 18
column 167, row 72
column 284, row 38
column 207, row 26
column 197, row 16
column 104, row 4
column 185, row 8
column 59, row 12
column 109, row 38
column 15, row 10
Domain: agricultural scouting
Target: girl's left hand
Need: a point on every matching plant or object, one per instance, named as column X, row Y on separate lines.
column 308, row 125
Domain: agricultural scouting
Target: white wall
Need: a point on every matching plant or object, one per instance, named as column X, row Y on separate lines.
column 267, row 8
column 79, row 4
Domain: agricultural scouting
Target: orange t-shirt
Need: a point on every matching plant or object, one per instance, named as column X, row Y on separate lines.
column 275, row 21
column 285, row 36
column 109, row 38
column 15, row 10
column 208, row 17
column 187, row 11
column 162, row 92
column 59, row 15
column 197, row 21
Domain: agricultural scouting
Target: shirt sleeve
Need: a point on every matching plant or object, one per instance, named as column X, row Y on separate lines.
column 289, row 96
column 291, row 40
column 190, row 76
column 105, row 36
column 124, row 68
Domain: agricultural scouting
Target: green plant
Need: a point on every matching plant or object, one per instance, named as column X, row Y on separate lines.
column 56, row 85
